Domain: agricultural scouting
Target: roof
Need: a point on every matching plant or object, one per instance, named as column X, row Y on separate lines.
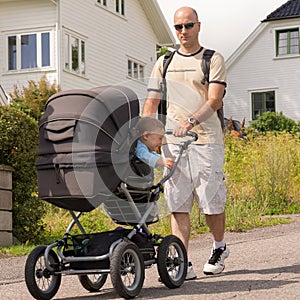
column 158, row 22
column 290, row 9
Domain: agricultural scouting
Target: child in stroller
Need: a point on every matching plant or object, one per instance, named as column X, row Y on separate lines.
column 87, row 158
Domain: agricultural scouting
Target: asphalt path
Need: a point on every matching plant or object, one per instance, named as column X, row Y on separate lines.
column 264, row 263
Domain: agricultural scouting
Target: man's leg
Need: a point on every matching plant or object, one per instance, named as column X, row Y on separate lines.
column 215, row 264
column 216, row 223
column 180, row 224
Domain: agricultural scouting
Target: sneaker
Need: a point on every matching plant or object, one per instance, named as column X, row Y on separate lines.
column 190, row 275
column 215, row 265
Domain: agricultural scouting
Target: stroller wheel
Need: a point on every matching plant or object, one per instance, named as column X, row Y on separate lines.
column 93, row 282
column 41, row 283
column 172, row 262
column 127, row 270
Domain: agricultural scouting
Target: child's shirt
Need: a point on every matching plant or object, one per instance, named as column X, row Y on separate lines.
column 146, row 156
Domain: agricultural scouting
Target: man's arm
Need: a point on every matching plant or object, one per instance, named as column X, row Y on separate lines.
column 151, row 104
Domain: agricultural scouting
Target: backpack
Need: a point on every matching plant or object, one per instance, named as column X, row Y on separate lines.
column 205, row 66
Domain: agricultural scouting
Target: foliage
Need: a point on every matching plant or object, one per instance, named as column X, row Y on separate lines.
column 263, row 175
column 161, row 51
column 18, row 149
column 32, row 99
column 275, row 122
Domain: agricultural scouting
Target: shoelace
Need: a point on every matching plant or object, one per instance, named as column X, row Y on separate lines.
column 216, row 255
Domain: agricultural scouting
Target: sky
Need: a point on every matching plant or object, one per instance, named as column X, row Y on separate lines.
column 225, row 24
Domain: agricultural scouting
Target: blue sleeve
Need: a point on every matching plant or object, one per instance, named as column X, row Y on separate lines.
column 148, row 157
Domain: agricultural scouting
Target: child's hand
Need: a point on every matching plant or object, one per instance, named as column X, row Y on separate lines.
column 169, row 163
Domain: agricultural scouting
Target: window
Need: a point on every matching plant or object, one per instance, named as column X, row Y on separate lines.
column 287, row 42
column 262, row 102
column 29, row 51
column 74, row 54
column 120, row 7
column 135, row 70
column 102, row 2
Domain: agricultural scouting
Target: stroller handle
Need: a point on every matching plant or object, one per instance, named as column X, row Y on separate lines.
column 192, row 134
column 183, row 146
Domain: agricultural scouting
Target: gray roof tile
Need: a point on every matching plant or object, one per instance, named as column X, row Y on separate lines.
column 290, row 9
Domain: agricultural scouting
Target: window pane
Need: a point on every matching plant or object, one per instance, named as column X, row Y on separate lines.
column 129, row 68
column 75, row 49
column 12, row 53
column 122, row 8
column 282, row 43
column 117, row 6
column 66, row 52
column 82, row 57
column 270, row 101
column 45, row 49
column 141, row 75
column 135, row 70
column 28, row 51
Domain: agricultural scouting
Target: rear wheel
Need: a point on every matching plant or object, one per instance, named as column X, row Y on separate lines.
column 172, row 262
column 41, row 283
column 127, row 270
column 93, row 282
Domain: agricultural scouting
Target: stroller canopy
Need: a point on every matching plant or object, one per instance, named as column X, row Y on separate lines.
column 85, row 145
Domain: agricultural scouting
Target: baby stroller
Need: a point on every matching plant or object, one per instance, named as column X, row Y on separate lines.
column 85, row 159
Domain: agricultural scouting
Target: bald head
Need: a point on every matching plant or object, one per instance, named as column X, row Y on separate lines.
column 186, row 11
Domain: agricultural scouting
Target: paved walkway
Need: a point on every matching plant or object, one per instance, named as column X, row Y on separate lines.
column 263, row 264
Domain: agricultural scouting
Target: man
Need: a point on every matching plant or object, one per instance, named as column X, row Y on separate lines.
column 193, row 106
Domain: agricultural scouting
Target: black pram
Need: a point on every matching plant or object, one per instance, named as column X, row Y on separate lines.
column 86, row 157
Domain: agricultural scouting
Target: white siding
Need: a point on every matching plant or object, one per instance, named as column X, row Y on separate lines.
column 23, row 17
column 256, row 68
column 111, row 39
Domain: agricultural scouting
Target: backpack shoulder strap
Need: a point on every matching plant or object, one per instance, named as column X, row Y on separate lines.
column 162, row 107
column 205, row 65
column 167, row 59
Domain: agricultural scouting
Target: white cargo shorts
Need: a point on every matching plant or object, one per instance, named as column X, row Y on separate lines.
column 199, row 175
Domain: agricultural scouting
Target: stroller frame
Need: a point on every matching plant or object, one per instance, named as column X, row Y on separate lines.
column 44, row 268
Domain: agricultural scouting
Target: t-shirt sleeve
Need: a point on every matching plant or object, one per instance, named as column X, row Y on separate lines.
column 217, row 69
column 156, row 76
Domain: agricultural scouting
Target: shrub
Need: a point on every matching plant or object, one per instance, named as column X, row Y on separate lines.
column 32, row 99
column 18, row 149
column 275, row 122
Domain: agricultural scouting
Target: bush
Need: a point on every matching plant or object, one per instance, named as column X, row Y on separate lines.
column 32, row 99
column 275, row 122
column 18, row 149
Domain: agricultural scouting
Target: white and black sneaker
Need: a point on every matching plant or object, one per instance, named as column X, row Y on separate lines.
column 190, row 275
column 215, row 264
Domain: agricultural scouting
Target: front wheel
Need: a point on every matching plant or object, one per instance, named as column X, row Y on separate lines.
column 127, row 270
column 41, row 283
column 94, row 282
column 172, row 262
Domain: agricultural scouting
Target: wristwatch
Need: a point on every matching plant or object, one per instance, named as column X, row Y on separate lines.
column 192, row 121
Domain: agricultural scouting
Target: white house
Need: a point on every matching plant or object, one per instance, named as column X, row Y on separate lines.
column 264, row 72
column 80, row 43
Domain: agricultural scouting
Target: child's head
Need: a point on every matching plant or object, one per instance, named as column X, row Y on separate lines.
column 151, row 132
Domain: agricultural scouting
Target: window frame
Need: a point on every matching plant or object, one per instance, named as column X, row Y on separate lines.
column 264, row 101
column 17, row 60
column 288, row 46
column 67, row 59
column 120, row 7
column 139, row 75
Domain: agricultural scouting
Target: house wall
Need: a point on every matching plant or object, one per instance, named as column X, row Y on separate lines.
column 110, row 40
column 257, row 68
column 24, row 17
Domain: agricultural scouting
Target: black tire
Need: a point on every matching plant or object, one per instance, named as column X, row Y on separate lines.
column 41, row 283
column 172, row 262
column 127, row 270
column 93, row 282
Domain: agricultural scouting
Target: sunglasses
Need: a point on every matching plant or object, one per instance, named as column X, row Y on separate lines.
column 190, row 25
